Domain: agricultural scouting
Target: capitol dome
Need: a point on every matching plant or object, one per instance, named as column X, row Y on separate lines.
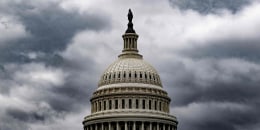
column 130, row 95
column 130, row 70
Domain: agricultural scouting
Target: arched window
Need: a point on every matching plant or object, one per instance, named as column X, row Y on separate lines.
column 116, row 104
column 155, row 105
column 136, row 103
column 150, row 104
column 99, row 105
column 130, row 103
column 160, row 106
column 105, row 105
column 143, row 104
column 110, row 105
column 123, row 103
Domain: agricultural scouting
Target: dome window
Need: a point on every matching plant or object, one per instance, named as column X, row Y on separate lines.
column 130, row 103
column 116, row 104
column 99, row 106
column 155, row 105
column 105, row 105
column 136, row 103
column 123, row 103
column 110, row 105
column 143, row 104
column 150, row 104
column 160, row 106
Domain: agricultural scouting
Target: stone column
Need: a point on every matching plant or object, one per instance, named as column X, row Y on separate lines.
column 134, row 126
column 117, row 125
column 95, row 126
column 109, row 125
column 150, row 126
column 125, row 125
column 142, row 126
column 163, row 126
column 102, row 126
column 157, row 126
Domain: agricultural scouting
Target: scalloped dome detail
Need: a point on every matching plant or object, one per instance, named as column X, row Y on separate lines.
column 130, row 70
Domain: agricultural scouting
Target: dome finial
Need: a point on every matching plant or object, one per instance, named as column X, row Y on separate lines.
column 130, row 28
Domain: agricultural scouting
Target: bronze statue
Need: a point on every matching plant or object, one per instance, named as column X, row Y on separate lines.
column 130, row 28
column 130, row 15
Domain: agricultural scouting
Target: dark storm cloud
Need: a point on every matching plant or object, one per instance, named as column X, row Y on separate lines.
column 214, row 82
column 220, row 97
column 210, row 6
column 51, row 29
column 58, row 100
column 227, row 48
column 233, row 86
column 72, row 95
column 6, row 124
column 207, row 80
column 25, row 116
column 212, row 86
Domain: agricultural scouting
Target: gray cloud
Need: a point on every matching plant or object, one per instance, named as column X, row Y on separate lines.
column 247, row 49
column 214, row 80
column 51, row 29
column 213, row 93
column 48, row 75
column 47, row 86
column 210, row 6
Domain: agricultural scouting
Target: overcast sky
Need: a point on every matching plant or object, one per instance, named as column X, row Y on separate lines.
column 53, row 52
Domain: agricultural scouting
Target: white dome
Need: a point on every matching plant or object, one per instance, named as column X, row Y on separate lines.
column 130, row 94
column 128, row 70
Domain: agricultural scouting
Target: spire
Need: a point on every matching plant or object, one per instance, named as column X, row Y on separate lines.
column 130, row 28
column 130, row 40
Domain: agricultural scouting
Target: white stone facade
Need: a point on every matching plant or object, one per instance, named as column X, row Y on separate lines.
column 130, row 95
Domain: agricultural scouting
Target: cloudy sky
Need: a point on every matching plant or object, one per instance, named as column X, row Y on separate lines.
column 52, row 53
